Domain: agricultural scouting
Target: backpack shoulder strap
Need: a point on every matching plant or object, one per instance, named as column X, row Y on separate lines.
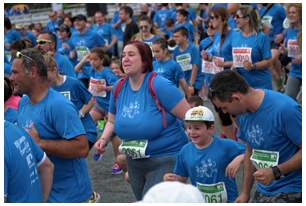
column 153, row 94
column 117, row 90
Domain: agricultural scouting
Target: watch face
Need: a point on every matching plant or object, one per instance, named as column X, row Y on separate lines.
column 276, row 172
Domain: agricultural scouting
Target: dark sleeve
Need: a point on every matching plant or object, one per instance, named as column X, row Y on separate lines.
column 130, row 31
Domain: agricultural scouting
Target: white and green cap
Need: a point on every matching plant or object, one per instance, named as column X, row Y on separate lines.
column 199, row 114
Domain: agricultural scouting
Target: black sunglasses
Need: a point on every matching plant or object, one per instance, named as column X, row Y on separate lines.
column 239, row 17
column 145, row 27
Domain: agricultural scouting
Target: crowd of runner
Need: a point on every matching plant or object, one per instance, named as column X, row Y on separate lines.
column 139, row 83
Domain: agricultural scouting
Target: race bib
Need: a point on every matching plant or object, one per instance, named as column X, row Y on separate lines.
column 135, row 149
column 94, row 87
column 264, row 159
column 213, row 193
column 293, row 48
column 184, row 61
column 211, row 67
column 240, row 55
column 66, row 94
column 267, row 21
column 81, row 52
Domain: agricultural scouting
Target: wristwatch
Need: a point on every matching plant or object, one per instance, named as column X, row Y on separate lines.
column 276, row 172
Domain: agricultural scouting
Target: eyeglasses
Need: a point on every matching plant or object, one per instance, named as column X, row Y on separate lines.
column 42, row 41
column 20, row 55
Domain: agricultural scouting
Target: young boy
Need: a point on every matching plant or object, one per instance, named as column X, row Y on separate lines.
column 210, row 162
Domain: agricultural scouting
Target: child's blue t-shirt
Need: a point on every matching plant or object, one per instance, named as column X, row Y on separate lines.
column 207, row 165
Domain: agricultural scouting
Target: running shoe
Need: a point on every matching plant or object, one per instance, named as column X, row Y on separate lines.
column 95, row 197
column 116, row 169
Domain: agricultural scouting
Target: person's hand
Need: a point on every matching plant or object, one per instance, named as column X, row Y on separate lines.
column 33, row 133
column 170, row 177
column 233, row 167
column 100, row 145
column 247, row 65
column 190, row 90
column 278, row 38
column 218, row 62
column 243, row 197
column 297, row 59
column 204, row 55
column 65, row 45
column 86, row 59
column 264, row 176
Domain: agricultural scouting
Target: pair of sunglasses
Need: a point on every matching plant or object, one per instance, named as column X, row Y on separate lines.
column 21, row 55
column 42, row 41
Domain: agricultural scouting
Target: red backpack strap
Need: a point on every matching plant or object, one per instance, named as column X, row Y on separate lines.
column 117, row 90
column 153, row 93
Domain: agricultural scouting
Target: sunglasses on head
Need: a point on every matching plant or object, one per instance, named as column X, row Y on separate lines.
column 21, row 55
column 42, row 41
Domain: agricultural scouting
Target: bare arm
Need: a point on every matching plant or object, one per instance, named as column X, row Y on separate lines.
column 87, row 107
column 174, row 177
column 78, row 67
column 294, row 163
column 248, row 178
column 180, row 109
column 184, row 86
column 194, row 72
column 106, row 135
column 45, row 170
column 74, row 148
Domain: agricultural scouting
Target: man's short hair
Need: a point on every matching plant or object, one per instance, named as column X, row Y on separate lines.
column 182, row 30
column 225, row 83
column 128, row 10
column 33, row 57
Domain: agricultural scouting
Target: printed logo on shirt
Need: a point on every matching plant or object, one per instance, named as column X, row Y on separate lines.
column 207, row 168
column 25, row 151
column 184, row 61
column 66, row 94
column 240, row 55
column 131, row 110
column 267, row 21
column 255, row 135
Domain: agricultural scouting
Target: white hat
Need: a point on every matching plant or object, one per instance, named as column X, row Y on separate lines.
column 173, row 192
column 199, row 113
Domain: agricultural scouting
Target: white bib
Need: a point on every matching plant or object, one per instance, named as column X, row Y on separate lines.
column 240, row 55
column 136, row 149
column 264, row 159
column 293, row 48
column 184, row 61
column 93, row 87
column 213, row 193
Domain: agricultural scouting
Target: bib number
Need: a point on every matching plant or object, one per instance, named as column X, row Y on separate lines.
column 184, row 61
column 264, row 159
column 81, row 52
column 213, row 193
column 292, row 48
column 240, row 55
column 211, row 67
column 94, row 87
column 135, row 149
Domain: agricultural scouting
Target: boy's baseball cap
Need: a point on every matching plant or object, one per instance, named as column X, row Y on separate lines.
column 200, row 113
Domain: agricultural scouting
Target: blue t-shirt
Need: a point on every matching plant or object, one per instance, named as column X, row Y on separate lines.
column 160, row 18
column 207, row 165
column 120, row 29
column 138, row 110
column 64, row 65
column 291, row 36
column 21, row 159
column 76, row 92
column 28, row 35
column 52, row 26
column 11, row 115
column 259, row 47
column 186, row 59
column 280, row 131
column 110, row 78
column 169, row 69
column 275, row 16
column 7, row 69
column 56, row 118
column 11, row 36
column 82, row 43
column 106, row 32
column 149, row 41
